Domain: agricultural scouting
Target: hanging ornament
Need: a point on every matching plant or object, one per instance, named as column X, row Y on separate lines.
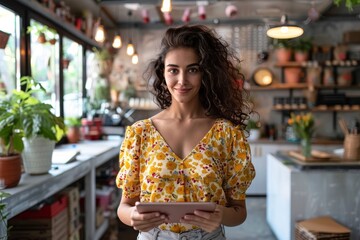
column 145, row 16
column 231, row 10
column 186, row 16
column 168, row 18
column 202, row 12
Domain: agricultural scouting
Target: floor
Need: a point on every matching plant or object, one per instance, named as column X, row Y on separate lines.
column 254, row 228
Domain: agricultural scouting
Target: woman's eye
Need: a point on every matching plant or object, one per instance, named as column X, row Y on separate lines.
column 193, row 70
column 173, row 71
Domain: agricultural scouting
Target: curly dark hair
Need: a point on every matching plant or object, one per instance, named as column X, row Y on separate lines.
column 221, row 94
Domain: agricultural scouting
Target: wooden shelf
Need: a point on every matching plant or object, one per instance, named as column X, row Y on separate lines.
column 317, row 109
column 280, row 86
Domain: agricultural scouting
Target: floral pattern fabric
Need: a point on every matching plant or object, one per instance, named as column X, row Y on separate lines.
column 219, row 167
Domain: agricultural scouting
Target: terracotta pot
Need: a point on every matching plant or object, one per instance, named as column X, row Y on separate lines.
column 66, row 63
column 283, row 55
column 52, row 41
column 10, row 171
column 41, row 38
column 301, row 56
column 73, row 134
column 292, row 75
column 4, row 38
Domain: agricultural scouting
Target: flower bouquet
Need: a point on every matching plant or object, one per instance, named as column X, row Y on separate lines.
column 304, row 127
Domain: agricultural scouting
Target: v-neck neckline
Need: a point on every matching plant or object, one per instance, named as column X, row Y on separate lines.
column 202, row 140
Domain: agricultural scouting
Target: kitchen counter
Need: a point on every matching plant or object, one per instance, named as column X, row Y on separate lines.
column 33, row 189
column 297, row 193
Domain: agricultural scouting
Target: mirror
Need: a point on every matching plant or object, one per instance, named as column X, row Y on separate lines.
column 263, row 76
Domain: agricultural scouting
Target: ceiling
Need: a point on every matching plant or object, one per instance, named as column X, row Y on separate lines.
column 115, row 13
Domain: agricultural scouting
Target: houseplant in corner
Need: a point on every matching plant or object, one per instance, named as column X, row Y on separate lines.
column 35, row 123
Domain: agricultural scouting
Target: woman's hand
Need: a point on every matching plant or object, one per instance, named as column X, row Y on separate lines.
column 146, row 221
column 207, row 221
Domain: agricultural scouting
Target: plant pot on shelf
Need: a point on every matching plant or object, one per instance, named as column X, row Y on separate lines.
column 41, row 38
column 73, row 134
column 292, row 75
column 10, row 171
column 283, row 55
column 301, row 56
column 66, row 63
column 4, row 38
column 52, row 41
column 37, row 155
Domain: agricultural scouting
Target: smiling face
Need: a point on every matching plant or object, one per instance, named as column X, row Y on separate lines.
column 182, row 75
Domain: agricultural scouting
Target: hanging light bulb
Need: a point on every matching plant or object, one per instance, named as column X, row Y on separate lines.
column 135, row 58
column 166, row 6
column 130, row 50
column 284, row 30
column 117, row 42
column 100, row 34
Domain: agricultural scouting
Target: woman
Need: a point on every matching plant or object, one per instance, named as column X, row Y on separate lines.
column 194, row 150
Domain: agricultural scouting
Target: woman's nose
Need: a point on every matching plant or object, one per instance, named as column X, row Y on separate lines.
column 182, row 78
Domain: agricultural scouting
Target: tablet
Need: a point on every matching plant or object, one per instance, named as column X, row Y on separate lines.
column 174, row 210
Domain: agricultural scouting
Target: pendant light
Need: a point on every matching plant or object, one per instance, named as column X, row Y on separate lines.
column 135, row 58
column 130, row 50
column 100, row 34
column 166, row 6
column 284, row 30
column 117, row 43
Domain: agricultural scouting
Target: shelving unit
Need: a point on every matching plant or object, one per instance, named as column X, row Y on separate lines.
column 334, row 64
column 33, row 189
column 39, row 9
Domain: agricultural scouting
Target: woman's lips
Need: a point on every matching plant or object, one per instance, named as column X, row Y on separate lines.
column 182, row 90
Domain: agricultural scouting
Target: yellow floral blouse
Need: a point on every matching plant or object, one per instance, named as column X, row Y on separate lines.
column 219, row 167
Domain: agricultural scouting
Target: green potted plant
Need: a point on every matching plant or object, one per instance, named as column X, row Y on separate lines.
column 253, row 127
column 3, row 216
column 348, row 3
column 302, row 47
column 104, row 59
column 73, row 125
column 28, row 124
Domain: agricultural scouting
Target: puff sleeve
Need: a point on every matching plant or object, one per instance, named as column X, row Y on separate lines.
column 129, row 161
column 240, row 171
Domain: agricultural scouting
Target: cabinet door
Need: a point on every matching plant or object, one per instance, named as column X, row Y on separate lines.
column 259, row 152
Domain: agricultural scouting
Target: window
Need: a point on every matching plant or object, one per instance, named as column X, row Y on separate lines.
column 73, row 75
column 45, row 61
column 9, row 52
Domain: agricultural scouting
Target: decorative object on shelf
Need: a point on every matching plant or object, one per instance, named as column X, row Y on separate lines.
column 283, row 50
column 351, row 141
column 304, row 127
column 73, row 126
column 254, row 129
column 43, row 32
column 284, row 30
column 302, row 47
column 3, row 215
column 292, row 75
column 263, row 76
column 340, row 52
column 4, row 38
column 24, row 118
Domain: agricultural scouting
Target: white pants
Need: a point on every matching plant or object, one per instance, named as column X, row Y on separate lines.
column 196, row 234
